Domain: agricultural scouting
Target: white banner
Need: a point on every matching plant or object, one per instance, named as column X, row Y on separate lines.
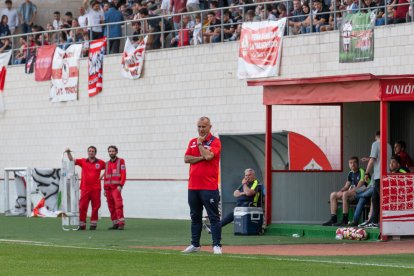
column 65, row 74
column 260, row 49
column 133, row 59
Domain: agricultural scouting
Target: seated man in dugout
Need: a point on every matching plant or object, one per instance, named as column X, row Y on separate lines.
column 395, row 167
column 399, row 150
column 247, row 194
column 355, row 180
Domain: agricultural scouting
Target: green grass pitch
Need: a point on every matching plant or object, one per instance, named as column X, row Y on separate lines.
column 40, row 247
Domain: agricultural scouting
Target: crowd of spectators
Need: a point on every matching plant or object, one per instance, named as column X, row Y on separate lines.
column 201, row 26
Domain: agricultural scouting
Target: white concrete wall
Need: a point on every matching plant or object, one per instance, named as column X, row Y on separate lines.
column 152, row 119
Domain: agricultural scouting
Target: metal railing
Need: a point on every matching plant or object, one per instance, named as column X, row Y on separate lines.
column 165, row 29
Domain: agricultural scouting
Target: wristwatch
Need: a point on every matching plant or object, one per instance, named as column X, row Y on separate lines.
column 199, row 144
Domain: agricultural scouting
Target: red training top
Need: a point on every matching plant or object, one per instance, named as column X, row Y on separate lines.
column 204, row 174
column 91, row 172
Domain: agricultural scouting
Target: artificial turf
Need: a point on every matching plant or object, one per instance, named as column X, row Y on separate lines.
column 39, row 246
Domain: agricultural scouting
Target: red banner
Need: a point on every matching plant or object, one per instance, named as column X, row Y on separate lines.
column 397, row 90
column 43, row 65
column 95, row 66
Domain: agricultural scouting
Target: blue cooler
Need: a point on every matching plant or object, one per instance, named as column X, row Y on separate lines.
column 248, row 220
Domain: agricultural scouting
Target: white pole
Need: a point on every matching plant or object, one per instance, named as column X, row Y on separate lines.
column 28, row 192
column 6, row 191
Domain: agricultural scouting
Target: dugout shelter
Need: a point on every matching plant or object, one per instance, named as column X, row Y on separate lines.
column 367, row 103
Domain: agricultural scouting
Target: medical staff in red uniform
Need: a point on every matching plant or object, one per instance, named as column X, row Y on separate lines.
column 115, row 176
column 90, row 186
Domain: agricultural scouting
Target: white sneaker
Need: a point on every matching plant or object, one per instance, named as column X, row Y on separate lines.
column 191, row 249
column 217, row 250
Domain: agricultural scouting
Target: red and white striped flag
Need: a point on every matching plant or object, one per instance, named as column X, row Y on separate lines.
column 95, row 66
column 4, row 60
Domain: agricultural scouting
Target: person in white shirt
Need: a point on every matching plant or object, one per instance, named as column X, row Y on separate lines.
column 83, row 18
column 57, row 22
column 95, row 16
column 11, row 15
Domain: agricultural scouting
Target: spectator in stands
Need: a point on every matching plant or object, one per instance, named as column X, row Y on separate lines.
column 4, row 45
column 228, row 26
column 389, row 15
column 95, row 16
column 235, row 13
column 236, row 34
column 83, row 18
column 213, row 27
column 177, row 6
column 152, row 28
column 165, row 7
column 64, row 43
column 52, row 37
column 57, row 22
column 68, row 18
column 11, row 15
column 135, row 10
column 192, row 5
column 320, row 18
column 214, row 6
column 76, row 35
column 281, row 10
column 126, row 12
column 297, row 18
column 399, row 150
column 352, row 6
column 331, row 23
column 184, row 34
column 38, row 38
column 355, row 180
column 4, row 27
column 400, row 12
column 113, row 32
column 197, row 36
column 136, row 35
column 250, row 16
column 85, row 44
column 369, row 6
column 21, row 55
column 105, row 7
column 247, row 194
column 27, row 15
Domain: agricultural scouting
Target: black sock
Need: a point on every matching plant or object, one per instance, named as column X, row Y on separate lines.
column 345, row 218
column 334, row 218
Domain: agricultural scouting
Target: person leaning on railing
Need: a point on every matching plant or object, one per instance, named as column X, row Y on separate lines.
column 331, row 24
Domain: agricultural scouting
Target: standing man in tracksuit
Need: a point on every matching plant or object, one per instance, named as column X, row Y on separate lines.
column 90, row 186
column 115, row 176
column 203, row 155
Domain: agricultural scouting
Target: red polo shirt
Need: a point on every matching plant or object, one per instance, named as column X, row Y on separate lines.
column 204, row 174
column 91, row 171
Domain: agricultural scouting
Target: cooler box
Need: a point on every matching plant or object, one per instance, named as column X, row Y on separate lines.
column 248, row 220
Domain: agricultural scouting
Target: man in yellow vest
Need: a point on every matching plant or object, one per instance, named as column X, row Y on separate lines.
column 247, row 194
column 115, row 176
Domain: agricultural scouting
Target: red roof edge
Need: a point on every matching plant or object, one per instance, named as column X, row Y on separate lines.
column 324, row 79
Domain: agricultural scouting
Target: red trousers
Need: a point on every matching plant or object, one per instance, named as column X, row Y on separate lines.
column 93, row 196
column 115, row 204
